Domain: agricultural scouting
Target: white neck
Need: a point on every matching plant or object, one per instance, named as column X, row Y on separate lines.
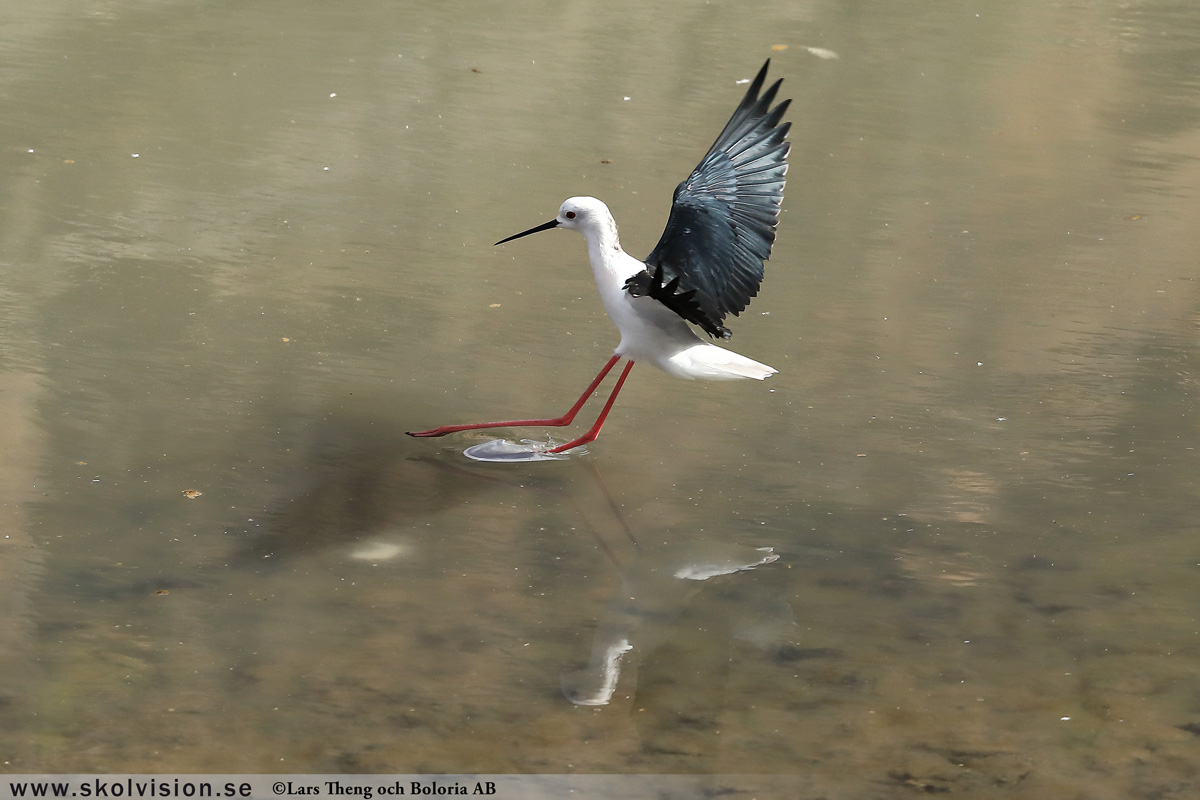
column 611, row 265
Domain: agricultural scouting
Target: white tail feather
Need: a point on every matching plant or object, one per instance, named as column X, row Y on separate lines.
column 706, row 361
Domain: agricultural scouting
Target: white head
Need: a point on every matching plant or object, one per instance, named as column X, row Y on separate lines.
column 587, row 215
column 584, row 213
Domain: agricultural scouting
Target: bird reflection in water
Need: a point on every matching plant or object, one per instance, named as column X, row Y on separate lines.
column 364, row 498
column 655, row 589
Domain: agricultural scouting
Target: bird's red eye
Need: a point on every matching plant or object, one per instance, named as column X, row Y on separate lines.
column 569, row 215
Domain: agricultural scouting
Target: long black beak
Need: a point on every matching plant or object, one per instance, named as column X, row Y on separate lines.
column 536, row 229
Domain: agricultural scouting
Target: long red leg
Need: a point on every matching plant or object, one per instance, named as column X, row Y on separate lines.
column 591, row 435
column 565, row 419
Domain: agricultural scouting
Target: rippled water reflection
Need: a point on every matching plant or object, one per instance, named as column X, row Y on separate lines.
column 242, row 250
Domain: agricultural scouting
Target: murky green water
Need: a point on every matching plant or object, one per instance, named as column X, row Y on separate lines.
column 243, row 247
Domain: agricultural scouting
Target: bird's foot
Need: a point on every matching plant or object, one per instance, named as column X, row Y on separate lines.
column 504, row 451
column 428, row 434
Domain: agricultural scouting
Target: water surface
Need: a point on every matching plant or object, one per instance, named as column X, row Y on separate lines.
column 242, row 249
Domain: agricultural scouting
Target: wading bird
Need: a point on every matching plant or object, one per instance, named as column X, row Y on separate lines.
column 708, row 263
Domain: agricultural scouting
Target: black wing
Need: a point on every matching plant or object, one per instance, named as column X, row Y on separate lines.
column 709, row 261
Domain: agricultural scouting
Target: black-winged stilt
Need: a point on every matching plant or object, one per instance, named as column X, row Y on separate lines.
column 708, row 263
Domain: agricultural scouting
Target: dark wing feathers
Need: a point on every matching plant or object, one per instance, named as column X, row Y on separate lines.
column 709, row 261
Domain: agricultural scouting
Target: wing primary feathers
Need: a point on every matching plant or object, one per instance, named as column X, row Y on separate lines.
column 709, row 261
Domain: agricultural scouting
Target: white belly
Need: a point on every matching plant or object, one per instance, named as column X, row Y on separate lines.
column 653, row 333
